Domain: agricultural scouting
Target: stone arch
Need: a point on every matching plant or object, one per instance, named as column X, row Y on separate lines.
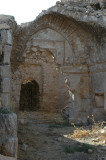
column 39, row 65
column 79, row 37
column 67, row 27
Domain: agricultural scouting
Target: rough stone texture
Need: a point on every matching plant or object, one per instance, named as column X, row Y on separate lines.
column 74, row 33
column 40, row 65
column 8, row 123
column 7, row 28
column 8, row 133
column 97, row 4
column 6, row 37
column 8, row 120
column 89, row 1
column 7, row 53
column 64, row 51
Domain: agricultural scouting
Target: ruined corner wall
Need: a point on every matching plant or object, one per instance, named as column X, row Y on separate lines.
column 7, row 25
column 89, row 1
column 99, row 3
column 79, row 54
column 8, row 122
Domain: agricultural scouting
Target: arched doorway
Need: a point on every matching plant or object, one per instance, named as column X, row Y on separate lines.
column 29, row 96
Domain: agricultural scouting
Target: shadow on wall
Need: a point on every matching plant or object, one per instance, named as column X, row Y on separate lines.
column 29, row 96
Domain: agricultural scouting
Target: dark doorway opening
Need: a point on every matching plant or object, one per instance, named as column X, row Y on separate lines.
column 29, row 96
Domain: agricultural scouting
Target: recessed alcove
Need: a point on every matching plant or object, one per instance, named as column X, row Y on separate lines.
column 29, row 96
column 99, row 99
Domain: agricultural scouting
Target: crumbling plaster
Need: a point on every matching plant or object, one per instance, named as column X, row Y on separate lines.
column 83, row 29
column 74, row 34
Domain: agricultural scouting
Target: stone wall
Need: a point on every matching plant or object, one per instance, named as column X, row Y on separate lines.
column 63, row 50
column 78, row 47
column 8, row 121
column 89, row 1
column 64, row 1
column 41, row 56
column 5, row 51
column 7, row 27
column 8, row 135
column 74, row 34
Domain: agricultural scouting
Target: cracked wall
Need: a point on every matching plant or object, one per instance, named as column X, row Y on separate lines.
column 75, row 38
column 43, row 51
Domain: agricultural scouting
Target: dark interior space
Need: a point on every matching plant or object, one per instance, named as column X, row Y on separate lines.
column 29, row 96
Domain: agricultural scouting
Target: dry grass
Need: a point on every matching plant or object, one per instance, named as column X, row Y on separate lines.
column 80, row 133
column 3, row 151
column 94, row 132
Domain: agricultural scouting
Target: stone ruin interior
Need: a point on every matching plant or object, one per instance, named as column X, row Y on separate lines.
column 56, row 63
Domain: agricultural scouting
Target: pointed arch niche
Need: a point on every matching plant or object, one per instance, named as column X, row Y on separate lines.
column 43, row 54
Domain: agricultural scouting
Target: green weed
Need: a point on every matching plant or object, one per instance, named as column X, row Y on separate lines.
column 4, row 110
column 75, row 148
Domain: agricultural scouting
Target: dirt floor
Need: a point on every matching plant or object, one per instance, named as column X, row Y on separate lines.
column 43, row 136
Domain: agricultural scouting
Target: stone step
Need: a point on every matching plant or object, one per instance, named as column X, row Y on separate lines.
column 6, row 158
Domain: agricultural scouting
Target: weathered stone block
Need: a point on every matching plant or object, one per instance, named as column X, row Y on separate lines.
column 8, row 133
column 99, row 82
column 74, row 69
column 99, row 100
column 5, row 18
column 7, row 53
column 5, row 85
column 11, row 145
column 5, row 99
column 8, row 124
column 6, row 158
column 5, row 71
column 97, row 67
column 0, row 103
column 105, row 101
column 0, row 50
column 1, row 54
column 99, row 114
column 6, row 37
column 4, row 26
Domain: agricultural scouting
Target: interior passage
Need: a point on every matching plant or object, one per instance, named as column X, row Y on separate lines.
column 29, row 96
